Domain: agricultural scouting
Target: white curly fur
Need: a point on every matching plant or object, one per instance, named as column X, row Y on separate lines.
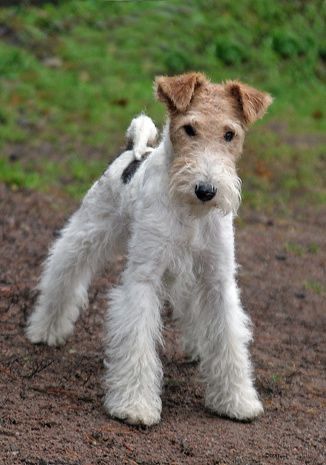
column 141, row 135
column 180, row 250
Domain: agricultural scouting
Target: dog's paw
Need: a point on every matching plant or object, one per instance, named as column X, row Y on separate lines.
column 50, row 332
column 134, row 415
column 49, row 336
column 242, row 407
column 247, row 410
column 147, row 418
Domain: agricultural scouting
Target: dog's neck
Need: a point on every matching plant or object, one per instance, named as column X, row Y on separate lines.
column 166, row 142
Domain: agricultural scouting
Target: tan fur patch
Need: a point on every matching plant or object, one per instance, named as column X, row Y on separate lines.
column 211, row 110
column 252, row 102
column 207, row 129
column 177, row 91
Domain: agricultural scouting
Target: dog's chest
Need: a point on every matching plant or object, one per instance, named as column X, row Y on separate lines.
column 184, row 249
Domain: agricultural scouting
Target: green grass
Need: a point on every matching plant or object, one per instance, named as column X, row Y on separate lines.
column 72, row 75
column 316, row 287
column 72, row 174
column 299, row 250
column 295, row 249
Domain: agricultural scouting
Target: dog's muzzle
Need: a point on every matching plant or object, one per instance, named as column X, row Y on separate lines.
column 205, row 191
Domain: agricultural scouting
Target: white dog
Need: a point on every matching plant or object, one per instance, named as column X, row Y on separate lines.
column 171, row 212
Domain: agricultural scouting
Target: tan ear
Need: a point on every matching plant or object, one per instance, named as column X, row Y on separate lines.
column 252, row 103
column 177, row 91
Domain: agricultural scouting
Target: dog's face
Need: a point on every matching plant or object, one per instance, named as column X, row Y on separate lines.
column 207, row 128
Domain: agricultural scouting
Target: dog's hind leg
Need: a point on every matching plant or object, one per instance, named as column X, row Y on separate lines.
column 87, row 242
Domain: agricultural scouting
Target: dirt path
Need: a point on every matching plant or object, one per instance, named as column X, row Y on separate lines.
column 50, row 399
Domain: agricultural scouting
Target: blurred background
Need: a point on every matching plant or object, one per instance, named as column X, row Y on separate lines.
column 73, row 74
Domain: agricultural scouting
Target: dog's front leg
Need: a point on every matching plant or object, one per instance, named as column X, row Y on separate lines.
column 225, row 361
column 134, row 372
column 223, row 332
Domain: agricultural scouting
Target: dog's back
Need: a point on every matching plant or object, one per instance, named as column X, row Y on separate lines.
column 123, row 183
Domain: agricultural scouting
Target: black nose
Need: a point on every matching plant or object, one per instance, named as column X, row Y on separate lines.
column 205, row 191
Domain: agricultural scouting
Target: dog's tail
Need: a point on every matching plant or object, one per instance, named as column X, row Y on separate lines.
column 141, row 134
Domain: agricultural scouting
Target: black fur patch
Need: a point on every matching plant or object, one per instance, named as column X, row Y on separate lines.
column 130, row 170
column 130, row 144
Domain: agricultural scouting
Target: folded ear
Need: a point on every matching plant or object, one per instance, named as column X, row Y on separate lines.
column 177, row 91
column 251, row 102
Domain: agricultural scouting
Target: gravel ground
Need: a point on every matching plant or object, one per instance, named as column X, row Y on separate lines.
column 50, row 398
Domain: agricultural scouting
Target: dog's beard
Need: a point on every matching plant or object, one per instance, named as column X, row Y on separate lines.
column 185, row 174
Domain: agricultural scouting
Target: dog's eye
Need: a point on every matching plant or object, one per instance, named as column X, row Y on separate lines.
column 228, row 136
column 189, row 130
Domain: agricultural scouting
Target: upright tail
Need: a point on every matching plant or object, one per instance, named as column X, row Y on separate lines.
column 141, row 135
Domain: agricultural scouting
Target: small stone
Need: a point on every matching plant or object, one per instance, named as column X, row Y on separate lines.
column 300, row 295
column 13, row 157
column 52, row 62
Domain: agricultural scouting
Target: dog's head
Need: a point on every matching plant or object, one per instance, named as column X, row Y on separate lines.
column 207, row 128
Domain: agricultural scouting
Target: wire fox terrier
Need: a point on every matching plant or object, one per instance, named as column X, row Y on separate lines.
column 170, row 209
